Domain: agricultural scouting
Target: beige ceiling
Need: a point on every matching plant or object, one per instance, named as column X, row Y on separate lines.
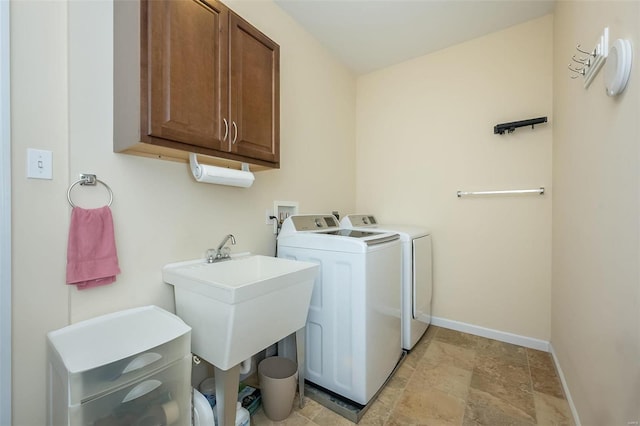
column 371, row 34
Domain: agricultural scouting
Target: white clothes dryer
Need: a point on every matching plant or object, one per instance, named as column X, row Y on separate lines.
column 417, row 274
column 353, row 326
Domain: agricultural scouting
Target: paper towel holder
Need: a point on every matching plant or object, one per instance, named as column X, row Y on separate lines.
column 198, row 170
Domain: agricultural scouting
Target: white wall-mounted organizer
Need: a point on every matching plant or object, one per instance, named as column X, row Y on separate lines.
column 618, row 67
column 588, row 63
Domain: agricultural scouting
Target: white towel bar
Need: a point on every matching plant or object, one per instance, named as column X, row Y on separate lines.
column 506, row 192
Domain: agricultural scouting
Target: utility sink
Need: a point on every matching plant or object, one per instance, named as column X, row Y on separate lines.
column 240, row 306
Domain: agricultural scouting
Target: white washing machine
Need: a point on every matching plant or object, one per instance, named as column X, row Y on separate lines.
column 417, row 274
column 353, row 329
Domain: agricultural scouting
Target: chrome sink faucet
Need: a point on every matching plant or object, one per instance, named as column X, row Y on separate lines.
column 215, row 255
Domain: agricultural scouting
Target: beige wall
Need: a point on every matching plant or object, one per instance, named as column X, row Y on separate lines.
column 595, row 328
column 62, row 101
column 425, row 131
column 39, row 210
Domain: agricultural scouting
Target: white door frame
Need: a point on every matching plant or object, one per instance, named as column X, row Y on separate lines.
column 5, row 217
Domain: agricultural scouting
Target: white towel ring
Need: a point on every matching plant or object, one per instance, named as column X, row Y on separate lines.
column 89, row 179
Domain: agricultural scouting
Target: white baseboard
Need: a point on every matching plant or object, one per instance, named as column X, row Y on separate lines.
column 574, row 412
column 502, row 336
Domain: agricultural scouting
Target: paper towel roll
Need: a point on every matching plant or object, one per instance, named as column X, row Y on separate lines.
column 220, row 175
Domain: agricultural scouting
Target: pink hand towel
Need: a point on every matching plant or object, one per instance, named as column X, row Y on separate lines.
column 92, row 259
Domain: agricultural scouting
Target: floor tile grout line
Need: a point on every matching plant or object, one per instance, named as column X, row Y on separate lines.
column 397, row 400
column 533, row 395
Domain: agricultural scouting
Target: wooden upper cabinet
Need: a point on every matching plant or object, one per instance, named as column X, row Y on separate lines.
column 186, row 76
column 254, row 98
column 208, row 83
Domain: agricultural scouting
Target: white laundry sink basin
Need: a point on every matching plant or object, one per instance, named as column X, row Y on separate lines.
column 238, row 307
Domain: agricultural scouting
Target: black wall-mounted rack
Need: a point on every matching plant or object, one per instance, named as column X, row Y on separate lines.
column 510, row 127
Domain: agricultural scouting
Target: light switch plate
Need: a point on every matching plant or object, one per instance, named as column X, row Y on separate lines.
column 39, row 164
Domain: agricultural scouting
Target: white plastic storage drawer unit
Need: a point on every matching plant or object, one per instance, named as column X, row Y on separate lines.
column 121, row 368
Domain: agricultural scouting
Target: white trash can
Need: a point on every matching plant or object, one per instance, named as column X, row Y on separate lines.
column 278, row 381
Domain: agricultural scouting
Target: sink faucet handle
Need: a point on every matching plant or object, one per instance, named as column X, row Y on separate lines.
column 210, row 255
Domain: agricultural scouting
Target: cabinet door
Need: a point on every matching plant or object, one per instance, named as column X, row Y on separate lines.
column 184, row 72
column 255, row 92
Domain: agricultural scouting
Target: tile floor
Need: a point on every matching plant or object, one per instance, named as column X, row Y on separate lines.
column 453, row 378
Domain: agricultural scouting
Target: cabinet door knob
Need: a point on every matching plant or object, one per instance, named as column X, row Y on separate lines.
column 235, row 133
column 226, row 129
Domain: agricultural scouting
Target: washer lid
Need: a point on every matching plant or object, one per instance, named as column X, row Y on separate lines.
column 369, row 238
column 351, row 233
column 322, row 231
